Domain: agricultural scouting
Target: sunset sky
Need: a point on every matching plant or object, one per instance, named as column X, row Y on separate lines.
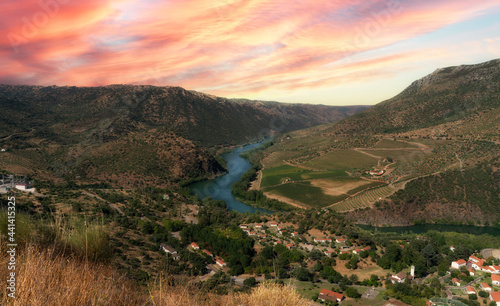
column 316, row 51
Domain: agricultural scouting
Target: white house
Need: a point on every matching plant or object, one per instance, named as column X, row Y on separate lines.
column 220, row 262
column 458, row 264
column 495, row 279
column 398, row 278
column 195, row 246
column 486, row 287
column 495, row 297
column 470, row 290
column 170, row 250
column 340, row 240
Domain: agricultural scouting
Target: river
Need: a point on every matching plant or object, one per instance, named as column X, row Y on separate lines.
column 424, row 228
column 220, row 188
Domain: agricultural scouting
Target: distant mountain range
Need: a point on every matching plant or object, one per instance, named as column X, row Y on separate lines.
column 151, row 134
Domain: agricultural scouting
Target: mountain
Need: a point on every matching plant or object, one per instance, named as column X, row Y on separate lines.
column 464, row 93
column 136, row 134
column 429, row 153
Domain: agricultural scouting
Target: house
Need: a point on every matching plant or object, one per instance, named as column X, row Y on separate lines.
column 220, row 262
column 456, row 281
column 495, row 279
column 262, row 236
column 295, row 234
column 243, row 226
column 452, row 248
column 496, row 269
column 399, row 278
column 329, row 253
column 376, row 172
column 273, row 224
column 344, row 252
column 4, row 150
column 258, row 225
column 208, row 253
column 281, row 232
column 252, row 233
column 458, row 264
column 289, row 246
column 169, row 250
column 194, row 246
column 495, row 297
column 278, row 242
column 472, row 272
column 470, row 290
column 478, row 264
column 340, row 240
column 366, row 248
column 473, row 258
column 486, row 287
column 280, row 228
column 22, row 186
column 356, row 251
column 322, row 240
column 330, row 296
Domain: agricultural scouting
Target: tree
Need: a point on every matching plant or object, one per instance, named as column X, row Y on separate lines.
column 483, row 294
column 352, row 293
column 249, row 282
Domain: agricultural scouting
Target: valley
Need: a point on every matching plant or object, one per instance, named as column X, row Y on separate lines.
column 215, row 196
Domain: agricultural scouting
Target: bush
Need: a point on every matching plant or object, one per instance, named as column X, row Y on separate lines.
column 352, row 293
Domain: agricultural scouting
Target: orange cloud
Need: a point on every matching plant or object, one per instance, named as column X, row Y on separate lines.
column 225, row 47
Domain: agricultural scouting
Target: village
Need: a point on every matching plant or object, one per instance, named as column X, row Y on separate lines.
column 464, row 279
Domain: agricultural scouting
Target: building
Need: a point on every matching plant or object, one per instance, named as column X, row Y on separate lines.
column 252, row 233
column 356, row 251
column 456, row 281
column 322, row 240
column 273, row 224
column 458, row 264
column 495, row 279
column 452, row 248
column 495, row 297
column 329, row 253
column 262, row 236
column 398, row 278
column 472, row 272
column 208, row 253
column 295, row 234
column 282, row 232
column 340, row 240
column 220, row 262
column 194, row 246
column 170, row 250
column 478, row 264
column 486, row 287
column 473, row 258
column 258, row 225
column 22, row 186
column 330, row 296
column 366, row 248
column 278, row 242
column 289, row 246
column 243, row 226
column 470, row 290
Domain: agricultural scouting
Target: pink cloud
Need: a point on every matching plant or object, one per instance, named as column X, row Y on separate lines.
column 222, row 46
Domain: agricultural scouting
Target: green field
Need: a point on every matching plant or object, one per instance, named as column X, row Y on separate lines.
column 305, row 193
column 342, row 159
column 275, row 176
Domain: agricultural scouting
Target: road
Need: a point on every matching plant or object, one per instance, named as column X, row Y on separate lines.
column 114, row 206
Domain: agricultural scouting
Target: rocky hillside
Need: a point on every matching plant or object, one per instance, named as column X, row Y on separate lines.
column 461, row 94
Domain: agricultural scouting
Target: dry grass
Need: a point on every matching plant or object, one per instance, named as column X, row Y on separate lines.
column 44, row 278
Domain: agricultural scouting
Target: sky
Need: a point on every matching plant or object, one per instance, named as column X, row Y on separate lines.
column 336, row 52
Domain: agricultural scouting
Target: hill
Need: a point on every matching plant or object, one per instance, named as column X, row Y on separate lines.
column 130, row 135
column 411, row 149
column 462, row 94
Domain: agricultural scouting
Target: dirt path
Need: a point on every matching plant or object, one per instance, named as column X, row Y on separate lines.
column 286, row 200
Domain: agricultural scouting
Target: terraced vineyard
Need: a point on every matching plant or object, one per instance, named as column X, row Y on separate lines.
column 368, row 197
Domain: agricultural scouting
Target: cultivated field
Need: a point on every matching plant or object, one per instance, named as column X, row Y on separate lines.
column 342, row 159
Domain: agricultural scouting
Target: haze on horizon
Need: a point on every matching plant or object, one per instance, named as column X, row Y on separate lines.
column 335, row 52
